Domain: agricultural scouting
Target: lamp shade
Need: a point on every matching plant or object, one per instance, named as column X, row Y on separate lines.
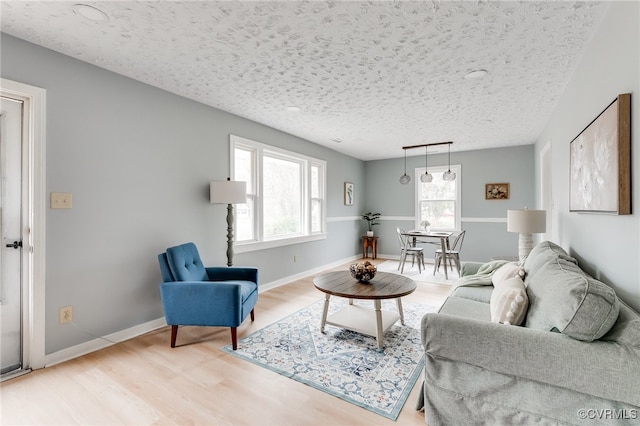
column 228, row 192
column 527, row 221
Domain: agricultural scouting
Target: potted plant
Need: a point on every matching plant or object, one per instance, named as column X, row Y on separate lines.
column 372, row 220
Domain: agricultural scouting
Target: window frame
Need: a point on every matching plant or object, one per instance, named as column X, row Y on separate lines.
column 457, row 169
column 260, row 242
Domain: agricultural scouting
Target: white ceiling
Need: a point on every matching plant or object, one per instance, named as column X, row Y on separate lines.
column 375, row 75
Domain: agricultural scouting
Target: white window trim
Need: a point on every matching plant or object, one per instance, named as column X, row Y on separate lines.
column 457, row 169
column 261, row 243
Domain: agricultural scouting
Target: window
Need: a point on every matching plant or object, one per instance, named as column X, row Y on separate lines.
column 438, row 201
column 285, row 195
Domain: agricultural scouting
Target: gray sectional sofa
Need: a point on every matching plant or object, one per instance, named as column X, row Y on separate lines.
column 574, row 360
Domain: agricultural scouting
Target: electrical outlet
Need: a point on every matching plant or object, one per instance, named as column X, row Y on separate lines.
column 61, row 200
column 66, row 314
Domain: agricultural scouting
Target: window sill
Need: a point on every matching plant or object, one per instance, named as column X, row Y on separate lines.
column 263, row 245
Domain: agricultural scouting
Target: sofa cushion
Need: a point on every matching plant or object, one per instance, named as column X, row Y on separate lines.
column 466, row 308
column 509, row 301
column 542, row 253
column 563, row 298
column 478, row 293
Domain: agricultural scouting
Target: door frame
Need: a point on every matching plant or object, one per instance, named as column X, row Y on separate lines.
column 546, row 188
column 33, row 219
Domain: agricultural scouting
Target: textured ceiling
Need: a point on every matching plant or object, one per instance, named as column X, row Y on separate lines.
column 375, row 75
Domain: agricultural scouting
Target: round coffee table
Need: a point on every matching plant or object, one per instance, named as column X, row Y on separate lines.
column 361, row 318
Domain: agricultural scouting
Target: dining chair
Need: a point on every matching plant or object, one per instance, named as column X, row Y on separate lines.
column 453, row 254
column 407, row 249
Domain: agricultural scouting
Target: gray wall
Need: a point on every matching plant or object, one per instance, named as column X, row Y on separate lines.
column 607, row 246
column 138, row 161
column 486, row 235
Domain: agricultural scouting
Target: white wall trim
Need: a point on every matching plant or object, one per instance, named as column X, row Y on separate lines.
column 343, row 218
column 103, row 342
column 263, row 245
column 484, row 219
column 34, row 242
column 413, row 219
column 138, row 330
column 286, row 280
column 463, row 219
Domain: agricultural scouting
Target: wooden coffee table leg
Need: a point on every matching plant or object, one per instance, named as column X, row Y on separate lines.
column 379, row 334
column 324, row 312
column 399, row 303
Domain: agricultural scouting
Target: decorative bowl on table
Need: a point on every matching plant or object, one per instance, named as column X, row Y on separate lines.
column 363, row 271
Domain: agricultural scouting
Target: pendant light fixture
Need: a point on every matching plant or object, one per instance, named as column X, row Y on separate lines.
column 426, row 177
column 449, row 175
column 405, row 178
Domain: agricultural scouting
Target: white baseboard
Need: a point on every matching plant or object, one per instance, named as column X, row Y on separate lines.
column 120, row 336
column 286, row 280
column 102, row 342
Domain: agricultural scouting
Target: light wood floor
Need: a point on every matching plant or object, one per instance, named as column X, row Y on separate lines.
column 143, row 381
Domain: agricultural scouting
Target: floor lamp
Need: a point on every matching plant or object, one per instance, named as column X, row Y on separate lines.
column 228, row 192
column 526, row 223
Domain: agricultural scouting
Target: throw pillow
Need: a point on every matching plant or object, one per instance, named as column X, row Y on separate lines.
column 564, row 298
column 506, row 271
column 509, row 301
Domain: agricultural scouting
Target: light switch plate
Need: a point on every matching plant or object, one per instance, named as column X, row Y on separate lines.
column 60, row 200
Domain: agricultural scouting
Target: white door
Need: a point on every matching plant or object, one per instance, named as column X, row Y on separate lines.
column 11, row 302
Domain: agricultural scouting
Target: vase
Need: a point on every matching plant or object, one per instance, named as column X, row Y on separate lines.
column 369, row 233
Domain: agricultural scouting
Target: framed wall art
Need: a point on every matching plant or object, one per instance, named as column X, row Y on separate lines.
column 348, row 194
column 496, row 191
column 600, row 162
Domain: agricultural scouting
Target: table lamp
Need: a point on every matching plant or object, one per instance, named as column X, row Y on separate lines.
column 526, row 222
column 228, row 192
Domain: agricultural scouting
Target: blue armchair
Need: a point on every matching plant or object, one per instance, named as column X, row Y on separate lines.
column 214, row 296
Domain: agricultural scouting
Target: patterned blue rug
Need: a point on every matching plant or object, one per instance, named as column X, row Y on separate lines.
column 343, row 363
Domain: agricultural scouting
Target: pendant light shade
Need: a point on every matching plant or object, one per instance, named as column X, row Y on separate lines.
column 426, row 177
column 405, row 178
column 449, row 175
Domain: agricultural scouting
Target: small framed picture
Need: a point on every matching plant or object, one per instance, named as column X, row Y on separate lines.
column 496, row 191
column 348, row 194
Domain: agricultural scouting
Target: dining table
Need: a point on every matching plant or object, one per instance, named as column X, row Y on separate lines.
column 411, row 237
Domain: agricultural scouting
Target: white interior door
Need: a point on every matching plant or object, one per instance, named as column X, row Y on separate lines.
column 11, row 295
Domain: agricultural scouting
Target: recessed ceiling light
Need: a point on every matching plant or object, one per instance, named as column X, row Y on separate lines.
column 476, row 74
column 90, row 12
column 293, row 108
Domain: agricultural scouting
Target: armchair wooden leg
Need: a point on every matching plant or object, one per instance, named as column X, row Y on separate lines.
column 174, row 335
column 253, row 315
column 234, row 338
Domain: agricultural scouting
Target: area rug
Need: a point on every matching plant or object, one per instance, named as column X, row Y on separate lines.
column 343, row 363
column 425, row 275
